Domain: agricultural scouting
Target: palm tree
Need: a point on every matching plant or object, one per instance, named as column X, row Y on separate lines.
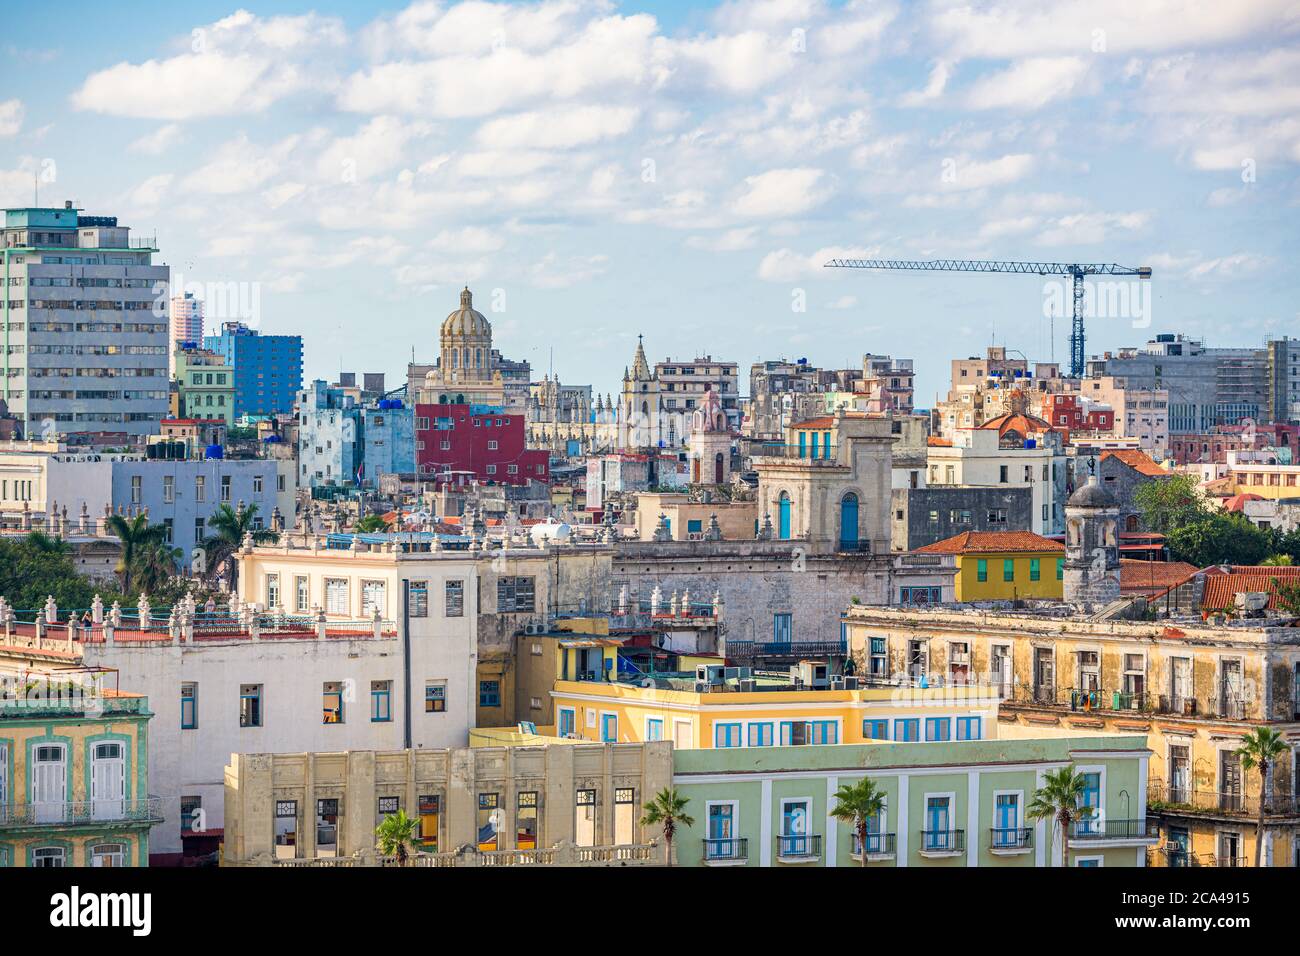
column 396, row 833
column 137, row 536
column 43, row 543
column 667, row 809
column 231, row 527
column 1059, row 800
column 857, row 804
column 157, row 565
column 1261, row 748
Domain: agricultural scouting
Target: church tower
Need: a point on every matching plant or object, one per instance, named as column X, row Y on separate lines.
column 639, row 406
column 1091, row 574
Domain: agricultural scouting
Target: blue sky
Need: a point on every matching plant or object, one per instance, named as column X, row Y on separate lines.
column 596, row 170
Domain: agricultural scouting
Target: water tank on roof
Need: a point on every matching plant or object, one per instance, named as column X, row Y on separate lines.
column 1031, row 442
column 214, row 451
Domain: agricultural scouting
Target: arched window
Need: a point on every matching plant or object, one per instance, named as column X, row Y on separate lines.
column 717, row 468
column 455, row 359
column 849, row 522
column 783, row 516
column 1131, row 523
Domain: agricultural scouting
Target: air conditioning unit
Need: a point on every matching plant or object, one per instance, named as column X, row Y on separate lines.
column 747, row 685
column 852, row 683
column 837, row 682
column 710, row 673
column 737, row 673
column 701, row 687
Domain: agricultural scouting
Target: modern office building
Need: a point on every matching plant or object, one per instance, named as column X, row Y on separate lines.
column 268, row 368
column 85, row 340
column 186, row 322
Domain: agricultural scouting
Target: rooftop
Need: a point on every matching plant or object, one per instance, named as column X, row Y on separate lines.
column 993, row 542
column 1139, row 461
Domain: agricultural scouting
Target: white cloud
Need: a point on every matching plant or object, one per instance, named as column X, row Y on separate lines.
column 787, row 265
column 981, row 174
column 1090, row 227
column 934, row 87
column 550, row 272
column 468, row 239
column 375, row 148
column 782, row 192
column 1028, row 84
column 150, row 192
column 11, row 117
column 557, row 129
column 843, row 302
column 239, row 166
column 732, row 240
column 157, row 142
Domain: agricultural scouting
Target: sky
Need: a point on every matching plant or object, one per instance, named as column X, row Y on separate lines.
column 597, row 170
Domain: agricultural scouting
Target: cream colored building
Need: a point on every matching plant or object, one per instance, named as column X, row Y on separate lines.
column 688, row 518
column 976, row 458
column 550, row 802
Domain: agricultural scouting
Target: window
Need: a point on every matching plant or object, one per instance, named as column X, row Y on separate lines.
column 302, row 595
column 387, row 806
column 1008, row 569
column 250, row 705
column 1060, row 568
column 454, row 599
column 878, row 666
column 336, row 596
column 609, row 728
column 982, row 570
column 875, row 729
column 625, row 814
column 726, row 735
column 189, row 706
column 782, row 628
column 938, row 728
column 136, row 491
column 907, row 729
column 225, row 487
column 1034, row 570
column 968, row 728
column 429, row 806
column 272, row 590
column 489, row 693
column 332, row 702
column 381, row 701
column 327, row 826
column 654, row 728
column 417, row 599
column 585, row 829
column 760, row 734
column 1006, row 820
column 286, row 828
column 435, row 696
column 257, row 484
column 515, row 594
column 374, row 596
column 526, row 820
column 169, row 489
column 49, row 856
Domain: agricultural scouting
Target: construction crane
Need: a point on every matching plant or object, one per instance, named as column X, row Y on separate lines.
column 1075, row 270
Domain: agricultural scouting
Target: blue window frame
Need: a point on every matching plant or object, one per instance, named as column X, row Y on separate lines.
column 566, row 721
column 694, row 526
column 189, row 706
column 938, row 728
column 782, row 628
column 1060, row 568
column 1006, row 817
column 968, row 728
column 826, row 444
column 760, row 735
column 1035, row 569
column 609, row 728
column 803, row 445
column 1091, row 798
column 907, row 729
column 654, row 728
column 875, row 729
column 726, row 735
column 937, row 834
column 783, row 516
column 823, row 732
column 489, row 693
column 381, row 702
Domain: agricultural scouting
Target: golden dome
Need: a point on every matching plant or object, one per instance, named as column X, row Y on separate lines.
column 466, row 322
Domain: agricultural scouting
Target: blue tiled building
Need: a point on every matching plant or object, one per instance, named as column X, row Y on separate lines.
column 268, row 368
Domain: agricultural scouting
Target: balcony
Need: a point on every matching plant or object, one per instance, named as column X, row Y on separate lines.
column 1092, row 830
column 1182, row 799
column 938, row 844
column 1010, row 841
column 880, row 846
column 733, row 851
column 798, row 848
column 109, row 813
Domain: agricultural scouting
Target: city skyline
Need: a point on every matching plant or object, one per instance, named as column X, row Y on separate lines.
column 594, row 171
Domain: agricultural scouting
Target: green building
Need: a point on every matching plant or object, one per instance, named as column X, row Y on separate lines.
column 205, row 382
column 961, row 803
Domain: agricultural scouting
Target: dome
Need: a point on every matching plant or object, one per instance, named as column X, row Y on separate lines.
column 466, row 321
column 1092, row 495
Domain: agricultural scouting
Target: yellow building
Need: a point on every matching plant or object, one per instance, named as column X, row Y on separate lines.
column 74, row 769
column 1261, row 472
column 723, row 710
column 1194, row 689
column 1004, row 565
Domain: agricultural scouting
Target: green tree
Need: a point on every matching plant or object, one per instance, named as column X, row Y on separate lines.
column 857, row 804
column 1277, row 561
column 667, row 809
column 230, row 527
column 371, row 524
column 1219, row 539
column 1059, row 799
column 138, row 538
column 1169, row 503
column 43, row 543
column 1261, row 748
column 30, row 572
column 396, row 835
column 1288, row 595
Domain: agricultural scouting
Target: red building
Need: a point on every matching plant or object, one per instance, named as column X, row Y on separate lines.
column 1068, row 413
column 1190, row 449
column 476, row 442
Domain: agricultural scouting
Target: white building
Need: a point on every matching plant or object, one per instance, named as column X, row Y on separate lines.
column 976, row 458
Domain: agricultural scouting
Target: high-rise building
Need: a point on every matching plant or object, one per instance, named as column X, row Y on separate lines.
column 85, row 332
column 268, row 368
column 186, row 323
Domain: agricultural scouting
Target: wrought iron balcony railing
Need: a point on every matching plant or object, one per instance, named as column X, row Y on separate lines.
column 943, row 841
column 878, row 844
column 1090, row 828
column 1011, row 838
column 81, row 812
column 729, row 849
column 798, row 846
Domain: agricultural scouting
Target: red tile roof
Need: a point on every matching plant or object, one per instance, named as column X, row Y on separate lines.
column 1152, row 577
column 826, row 421
column 1022, row 424
column 1238, row 502
column 1222, row 587
column 935, row 442
column 993, row 542
column 1139, row 461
